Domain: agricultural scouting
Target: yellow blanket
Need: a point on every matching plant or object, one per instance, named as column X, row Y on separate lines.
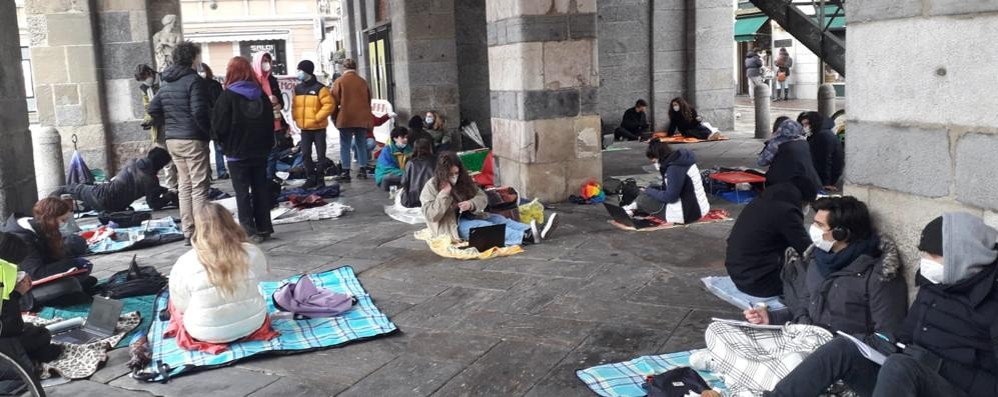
column 443, row 246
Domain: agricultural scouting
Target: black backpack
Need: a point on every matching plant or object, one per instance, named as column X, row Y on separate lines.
column 136, row 281
column 124, row 219
column 677, row 382
column 629, row 191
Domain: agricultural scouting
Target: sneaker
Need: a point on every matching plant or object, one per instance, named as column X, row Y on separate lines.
column 714, row 136
column 259, row 238
column 343, row 177
column 362, row 173
column 533, row 232
column 700, row 360
column 549, row 226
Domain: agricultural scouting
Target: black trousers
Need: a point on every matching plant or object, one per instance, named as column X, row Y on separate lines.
column 700, row 132
column 390, row 180
column 624, row 133
column 252, row 188
column 315, row 138
column 900, row 376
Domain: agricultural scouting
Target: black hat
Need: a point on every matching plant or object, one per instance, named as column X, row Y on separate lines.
column 306, row 66
column 158, row 158
column 932, row 237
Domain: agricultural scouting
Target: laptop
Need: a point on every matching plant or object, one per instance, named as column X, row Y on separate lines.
column 100, row 323
column 620, row 215
column 487, row 237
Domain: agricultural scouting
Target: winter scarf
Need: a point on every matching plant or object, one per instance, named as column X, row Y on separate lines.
column 787, row 131
column 830, row 262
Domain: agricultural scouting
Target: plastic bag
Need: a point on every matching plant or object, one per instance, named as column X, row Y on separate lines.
column 533, row 210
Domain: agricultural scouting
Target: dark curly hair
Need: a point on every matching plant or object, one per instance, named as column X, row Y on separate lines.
column 185, row 53
column 142, row 71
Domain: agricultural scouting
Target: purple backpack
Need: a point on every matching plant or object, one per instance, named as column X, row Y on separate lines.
column 303, row 299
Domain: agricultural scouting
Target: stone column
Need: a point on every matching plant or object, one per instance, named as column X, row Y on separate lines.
column 17, row 176
column 711, row 85
column 762, row 127
column 826, row 100
column 425, row 59
column 543, row 75
column 49, row 168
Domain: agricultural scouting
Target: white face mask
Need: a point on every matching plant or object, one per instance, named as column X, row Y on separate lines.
column 453, row 180
column 807, row 210
column 817, row 237
column 675, row 108
column 807, row 129
column 203, row 74
column 149, row 81
column 658, row 167
column 265, row 66
column 931, row 270
column 429, row 120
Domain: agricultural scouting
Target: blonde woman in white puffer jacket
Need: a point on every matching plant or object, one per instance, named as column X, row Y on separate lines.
column 214, row 285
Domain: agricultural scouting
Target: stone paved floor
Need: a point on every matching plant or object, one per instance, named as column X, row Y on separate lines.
column 516, row 326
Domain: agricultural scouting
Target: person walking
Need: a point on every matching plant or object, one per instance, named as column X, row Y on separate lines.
column 753, row 71
column 149, row 85
column 311, row 107
column 242, row 124
column 783, row 64
column 183, row 104
column 214, row 91
column 352, row 112
column 262, row 66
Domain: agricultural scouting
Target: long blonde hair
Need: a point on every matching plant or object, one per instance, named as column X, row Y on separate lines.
column 218, row 242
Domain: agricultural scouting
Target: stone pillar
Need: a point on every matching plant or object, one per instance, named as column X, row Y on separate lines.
column 425, row 59
column 50, row 171
column 763, row 129
column 473, row 63
column 543, row 74
column 17, row 177
column 826, row 100
column 710, row 83
column 912, row 157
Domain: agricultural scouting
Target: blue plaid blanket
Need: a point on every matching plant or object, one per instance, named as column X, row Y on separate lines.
column 364, row 321
column 625, row 379
column 151, row 233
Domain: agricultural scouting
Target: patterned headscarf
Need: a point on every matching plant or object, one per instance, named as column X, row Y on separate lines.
column 788, row 131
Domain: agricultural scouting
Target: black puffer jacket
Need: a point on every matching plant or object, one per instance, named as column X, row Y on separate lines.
column 868, row 295
column 182, row 103
column 136, row 179
column 243, row 127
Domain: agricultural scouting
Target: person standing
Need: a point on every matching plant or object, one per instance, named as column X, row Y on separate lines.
column 214, row 91
column 783, row 64
column 753, row 71
column 183, row 104
column 242, row 125
column 352, row 112
column 311, row 108
column 262, row 66
column 149, row 85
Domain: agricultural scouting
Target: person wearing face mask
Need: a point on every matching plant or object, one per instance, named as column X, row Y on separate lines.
column 311, row 108
column 352, row 113
column 49, row 252
column 263, row 70
column 149, row 85
column 681, row 198
column 764, row 230
column 827, row 151
column 947, row 344
column 849, row 280
column 433, row 124
column 453, row 205
column 634, row 125
column 683, row 118
column 214, row 91
column 392, row 160
column 787, row 155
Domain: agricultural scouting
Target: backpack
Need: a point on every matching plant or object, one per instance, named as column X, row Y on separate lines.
column 629, row 191
column 503, row 200
column 136, row 281
column 305, row 300
column 677, row 382
column 128, row 218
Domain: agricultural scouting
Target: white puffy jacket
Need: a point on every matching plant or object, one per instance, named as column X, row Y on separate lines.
column 208, row 315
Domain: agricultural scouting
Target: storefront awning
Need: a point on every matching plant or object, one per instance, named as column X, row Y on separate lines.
column 746, row 28
column 228, row 37
column 838, row 22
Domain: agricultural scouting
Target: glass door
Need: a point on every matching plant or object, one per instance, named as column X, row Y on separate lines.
column 379, row 52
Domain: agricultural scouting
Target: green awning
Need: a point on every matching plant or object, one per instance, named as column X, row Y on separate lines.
column 745, row 28
column 838, row 22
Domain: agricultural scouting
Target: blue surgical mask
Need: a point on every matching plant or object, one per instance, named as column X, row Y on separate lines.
column 301, row 76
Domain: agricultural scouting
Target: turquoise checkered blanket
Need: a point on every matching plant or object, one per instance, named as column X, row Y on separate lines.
column 364, row 321
column 625, row 379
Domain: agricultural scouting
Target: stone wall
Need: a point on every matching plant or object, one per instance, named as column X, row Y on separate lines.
column 17, row 177
column 922, row 130
column 473, row 62
column 709, row 44
column 623, row 29
column 425, row 59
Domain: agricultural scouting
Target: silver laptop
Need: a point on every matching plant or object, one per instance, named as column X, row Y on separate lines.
column 100, row 323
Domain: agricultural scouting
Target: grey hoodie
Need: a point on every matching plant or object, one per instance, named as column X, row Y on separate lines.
column 968, row 246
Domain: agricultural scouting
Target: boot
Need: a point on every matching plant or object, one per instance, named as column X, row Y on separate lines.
column 362, row 173
column 310, row 182
column 344, row 176
column 786, row 94
column 320, row 180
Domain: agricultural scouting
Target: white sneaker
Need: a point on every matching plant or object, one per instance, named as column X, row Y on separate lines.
column 550, row 225
column 715, row 136
column 700, row 360
column 534, row 232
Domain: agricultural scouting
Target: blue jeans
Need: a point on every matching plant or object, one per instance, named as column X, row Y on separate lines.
column 514, row 229
column 371, row 144
column 219, row 162
column 347, row 138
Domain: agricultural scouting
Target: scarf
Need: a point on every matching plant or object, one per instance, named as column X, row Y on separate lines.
column 264, row 79
column 788, row 131
column 830, row 262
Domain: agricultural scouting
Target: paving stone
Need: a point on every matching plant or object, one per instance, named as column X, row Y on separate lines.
column 532, row 293
column 300, row 262
column 615, row 282
column 395, row 289
column 509, row 369
column 221, row 382
column 544, row 268
column 444, row 311
column 406, row 376
column 562, row 381
column 444, row 345
column 614, row 312
column 674, row 290
column 90, row 388
column 626, row 338
column 338, row 366
column 114, row 367
column 555, row 331
column 689, row 333
column 298, row 387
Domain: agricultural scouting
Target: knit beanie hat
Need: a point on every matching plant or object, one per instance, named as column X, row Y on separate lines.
column 932, row 237
column 158, row 158
column 306, row 66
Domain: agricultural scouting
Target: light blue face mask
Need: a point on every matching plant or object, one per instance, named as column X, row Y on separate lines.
column 301, row 76
column 429, row 121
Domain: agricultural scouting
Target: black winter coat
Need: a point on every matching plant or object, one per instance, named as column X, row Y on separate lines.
column 868, row 295
column 214, row 91
column 634, row 121
column 827, row 154
column 40, row 263
column 182, row 103
column 129, row 185
column 243, row 128
column 792, row 159
column 417, row 172
column 686, row 127
column 758, row 240
column 959, row 323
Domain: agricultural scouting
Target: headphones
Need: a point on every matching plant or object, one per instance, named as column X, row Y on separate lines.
column 840, row 234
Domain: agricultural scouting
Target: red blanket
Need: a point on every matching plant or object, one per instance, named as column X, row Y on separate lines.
column 187, row 342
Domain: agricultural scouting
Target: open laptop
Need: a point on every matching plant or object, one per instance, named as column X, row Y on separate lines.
column 100, row 323
column 486, row 237
column 620, row 215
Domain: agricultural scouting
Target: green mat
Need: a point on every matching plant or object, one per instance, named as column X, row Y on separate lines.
column 142, row 304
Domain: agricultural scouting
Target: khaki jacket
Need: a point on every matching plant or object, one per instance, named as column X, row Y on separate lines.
column 440, row 210
column 351, row 102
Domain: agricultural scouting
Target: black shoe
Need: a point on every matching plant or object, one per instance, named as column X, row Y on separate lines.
column 310, row 183
column 344, row 177
column 320, row 181
column 260, row 238
column 223, row 176
column 362, row 173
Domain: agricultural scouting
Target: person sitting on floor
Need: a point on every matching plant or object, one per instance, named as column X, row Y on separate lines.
column 681, row 198
column 433, row 124
column 827, row 152
column 949, row 340
column 453, row 205
column 36, row 340
column 634, row 125
column 787, row 154
column 214, row 285
column 683, row 118
column 392, row 159
column 767, row 226
column 49, row 253
column 418, row 170
column 848, row 280
column 136, row 180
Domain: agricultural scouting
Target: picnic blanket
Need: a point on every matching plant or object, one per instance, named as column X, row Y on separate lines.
column 151, row 233
column 328, row 191
column 713, row 216
column 363, row 321
column 285, row 215
column 443, row 246
column 625, row 379
column 412, row 216
column 679, row 139
column 724, row 288
column 81, row 361
column 138, row 304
